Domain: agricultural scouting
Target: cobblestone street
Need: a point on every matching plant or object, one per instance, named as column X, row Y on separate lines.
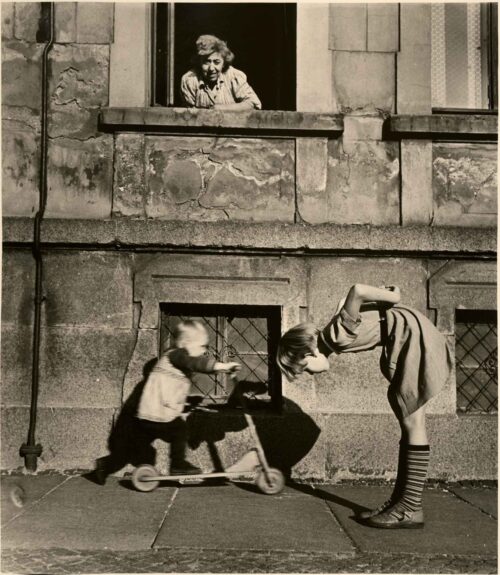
column 169, row 560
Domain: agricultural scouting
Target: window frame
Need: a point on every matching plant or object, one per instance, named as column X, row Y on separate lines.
column 489, row 18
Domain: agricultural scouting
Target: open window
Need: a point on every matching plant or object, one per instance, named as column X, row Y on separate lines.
column 246, row 334
column 262, row 37
column 464, row 57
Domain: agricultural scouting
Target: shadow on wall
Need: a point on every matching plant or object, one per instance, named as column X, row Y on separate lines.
column 286, row 438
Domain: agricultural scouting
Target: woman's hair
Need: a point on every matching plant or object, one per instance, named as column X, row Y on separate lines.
column 207, row 44
column 186, row 331
column 293, row 347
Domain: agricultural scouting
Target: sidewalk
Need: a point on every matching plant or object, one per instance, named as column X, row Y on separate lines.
column 70, row 525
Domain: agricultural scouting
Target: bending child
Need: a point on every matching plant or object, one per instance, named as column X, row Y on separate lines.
column 167, row 388
column 416, row 361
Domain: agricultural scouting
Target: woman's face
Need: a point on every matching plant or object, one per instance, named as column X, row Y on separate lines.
column 211, row 67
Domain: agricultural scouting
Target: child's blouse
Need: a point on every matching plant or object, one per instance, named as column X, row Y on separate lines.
column 345, row 333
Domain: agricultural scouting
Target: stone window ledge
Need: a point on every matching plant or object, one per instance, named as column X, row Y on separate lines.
column 198, row 121
column 455, row 127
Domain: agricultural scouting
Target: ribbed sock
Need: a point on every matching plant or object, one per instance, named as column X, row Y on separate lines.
column 417, row 462
column 399, row 484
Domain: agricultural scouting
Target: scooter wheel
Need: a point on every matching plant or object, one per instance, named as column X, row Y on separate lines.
column 271, row 482
column 140, row 478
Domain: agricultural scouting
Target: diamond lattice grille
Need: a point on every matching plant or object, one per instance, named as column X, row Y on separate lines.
column 476, row 356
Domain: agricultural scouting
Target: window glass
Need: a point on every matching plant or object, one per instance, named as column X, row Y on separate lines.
column 245, row 334
column 476, row 355
column 464, row 40
column 262, row 37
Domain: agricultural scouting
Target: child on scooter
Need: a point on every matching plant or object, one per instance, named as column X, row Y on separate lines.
column 415, row 360
column 167, row 387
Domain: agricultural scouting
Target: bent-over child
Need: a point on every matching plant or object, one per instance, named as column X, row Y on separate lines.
column 415, row 360
column 167, row 388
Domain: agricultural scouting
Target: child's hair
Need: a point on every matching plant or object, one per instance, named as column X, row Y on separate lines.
column 186, row 331
column 293, row 347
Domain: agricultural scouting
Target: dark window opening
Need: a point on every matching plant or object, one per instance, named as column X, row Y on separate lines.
column 262, row 37
column 246, row 334
column 464, row 57
column 476, row 356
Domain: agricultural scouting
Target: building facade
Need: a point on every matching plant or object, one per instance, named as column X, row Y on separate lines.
column 365, row 170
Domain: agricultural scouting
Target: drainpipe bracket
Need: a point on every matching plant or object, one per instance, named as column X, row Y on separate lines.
column 30, row 450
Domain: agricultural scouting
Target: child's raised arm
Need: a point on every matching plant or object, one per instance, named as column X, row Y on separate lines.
column 360, row 294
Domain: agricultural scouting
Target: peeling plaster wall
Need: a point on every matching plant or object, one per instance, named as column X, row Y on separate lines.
column 96, row 341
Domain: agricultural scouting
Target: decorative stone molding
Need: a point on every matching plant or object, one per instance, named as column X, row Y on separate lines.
column 462, row 285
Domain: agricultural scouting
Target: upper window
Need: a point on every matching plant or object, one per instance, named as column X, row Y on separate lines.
column 464, row 56
column 261, row 36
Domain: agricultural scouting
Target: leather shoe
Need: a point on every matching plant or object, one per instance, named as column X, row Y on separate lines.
column 371, row 512
column 397, row 518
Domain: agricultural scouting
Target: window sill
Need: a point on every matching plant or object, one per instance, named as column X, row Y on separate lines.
column 455, row 127
column 198, row 121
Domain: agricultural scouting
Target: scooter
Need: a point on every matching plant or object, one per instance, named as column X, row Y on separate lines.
column 253, row 466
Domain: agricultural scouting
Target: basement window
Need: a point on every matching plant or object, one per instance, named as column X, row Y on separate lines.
column 464, row 56
column 246, row 334
column 476, row 356
column 262, row 37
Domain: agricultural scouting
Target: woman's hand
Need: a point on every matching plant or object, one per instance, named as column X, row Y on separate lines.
column 230, row 367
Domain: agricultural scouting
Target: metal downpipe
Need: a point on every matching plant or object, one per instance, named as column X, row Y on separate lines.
column 30, row 450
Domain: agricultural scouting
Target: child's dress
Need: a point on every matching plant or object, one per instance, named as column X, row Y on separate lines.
column 415, row 357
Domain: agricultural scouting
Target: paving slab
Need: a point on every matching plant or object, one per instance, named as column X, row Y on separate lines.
column 236, row 517
column 452, row 526
column 483, row 498
column 33, row 488
column 80, row 514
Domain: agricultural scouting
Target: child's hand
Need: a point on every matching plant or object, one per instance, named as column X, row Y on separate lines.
column 230, row 367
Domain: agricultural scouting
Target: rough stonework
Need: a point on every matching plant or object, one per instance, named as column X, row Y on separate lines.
column 129, row 186
column 206, row 179
column 363, row 185
column 80, row 176
column 78, row 88
column 7, row 20
column 465, row 184
column 27, row 20
column 21, row 74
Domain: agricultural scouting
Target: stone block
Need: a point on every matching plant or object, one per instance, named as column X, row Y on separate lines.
column 84, row 367
column 382, row 27
column 7, row 20
column 21, row 74
column 416, row 182
column 311, row 175
column 414, row 60
column 348, row 27
column 208, row 179
column 144, row 355
column 315, row 62
column 65, row 20
column 129, row 191
column 79, row 86
column 129, row 76
column 464, row 178
column 364, row 81
column 358, row 128
column 73, row 287
column 71, row 438
column 17, row 359
column 27, row 19
column 363, row 183
column 94, row 22
column 20, row 169
column 18, row 287
column 80, row 177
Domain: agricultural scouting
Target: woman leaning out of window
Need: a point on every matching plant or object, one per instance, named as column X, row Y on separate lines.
column 213, row 82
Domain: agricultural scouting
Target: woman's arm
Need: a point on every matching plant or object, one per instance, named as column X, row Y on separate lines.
column 360, row 294
column 244, row 105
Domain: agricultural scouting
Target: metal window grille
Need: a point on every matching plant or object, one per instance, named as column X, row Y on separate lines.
column 246, row 334
column 476, row 359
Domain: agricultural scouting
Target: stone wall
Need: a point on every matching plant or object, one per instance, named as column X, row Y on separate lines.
column 308, row 202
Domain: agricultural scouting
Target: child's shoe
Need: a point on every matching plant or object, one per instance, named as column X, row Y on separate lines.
column 184, row 468
column 397, row 518
column 372, row 512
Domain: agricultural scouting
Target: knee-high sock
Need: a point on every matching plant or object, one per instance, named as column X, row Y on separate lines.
column 417, row 462
column 399, row 484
